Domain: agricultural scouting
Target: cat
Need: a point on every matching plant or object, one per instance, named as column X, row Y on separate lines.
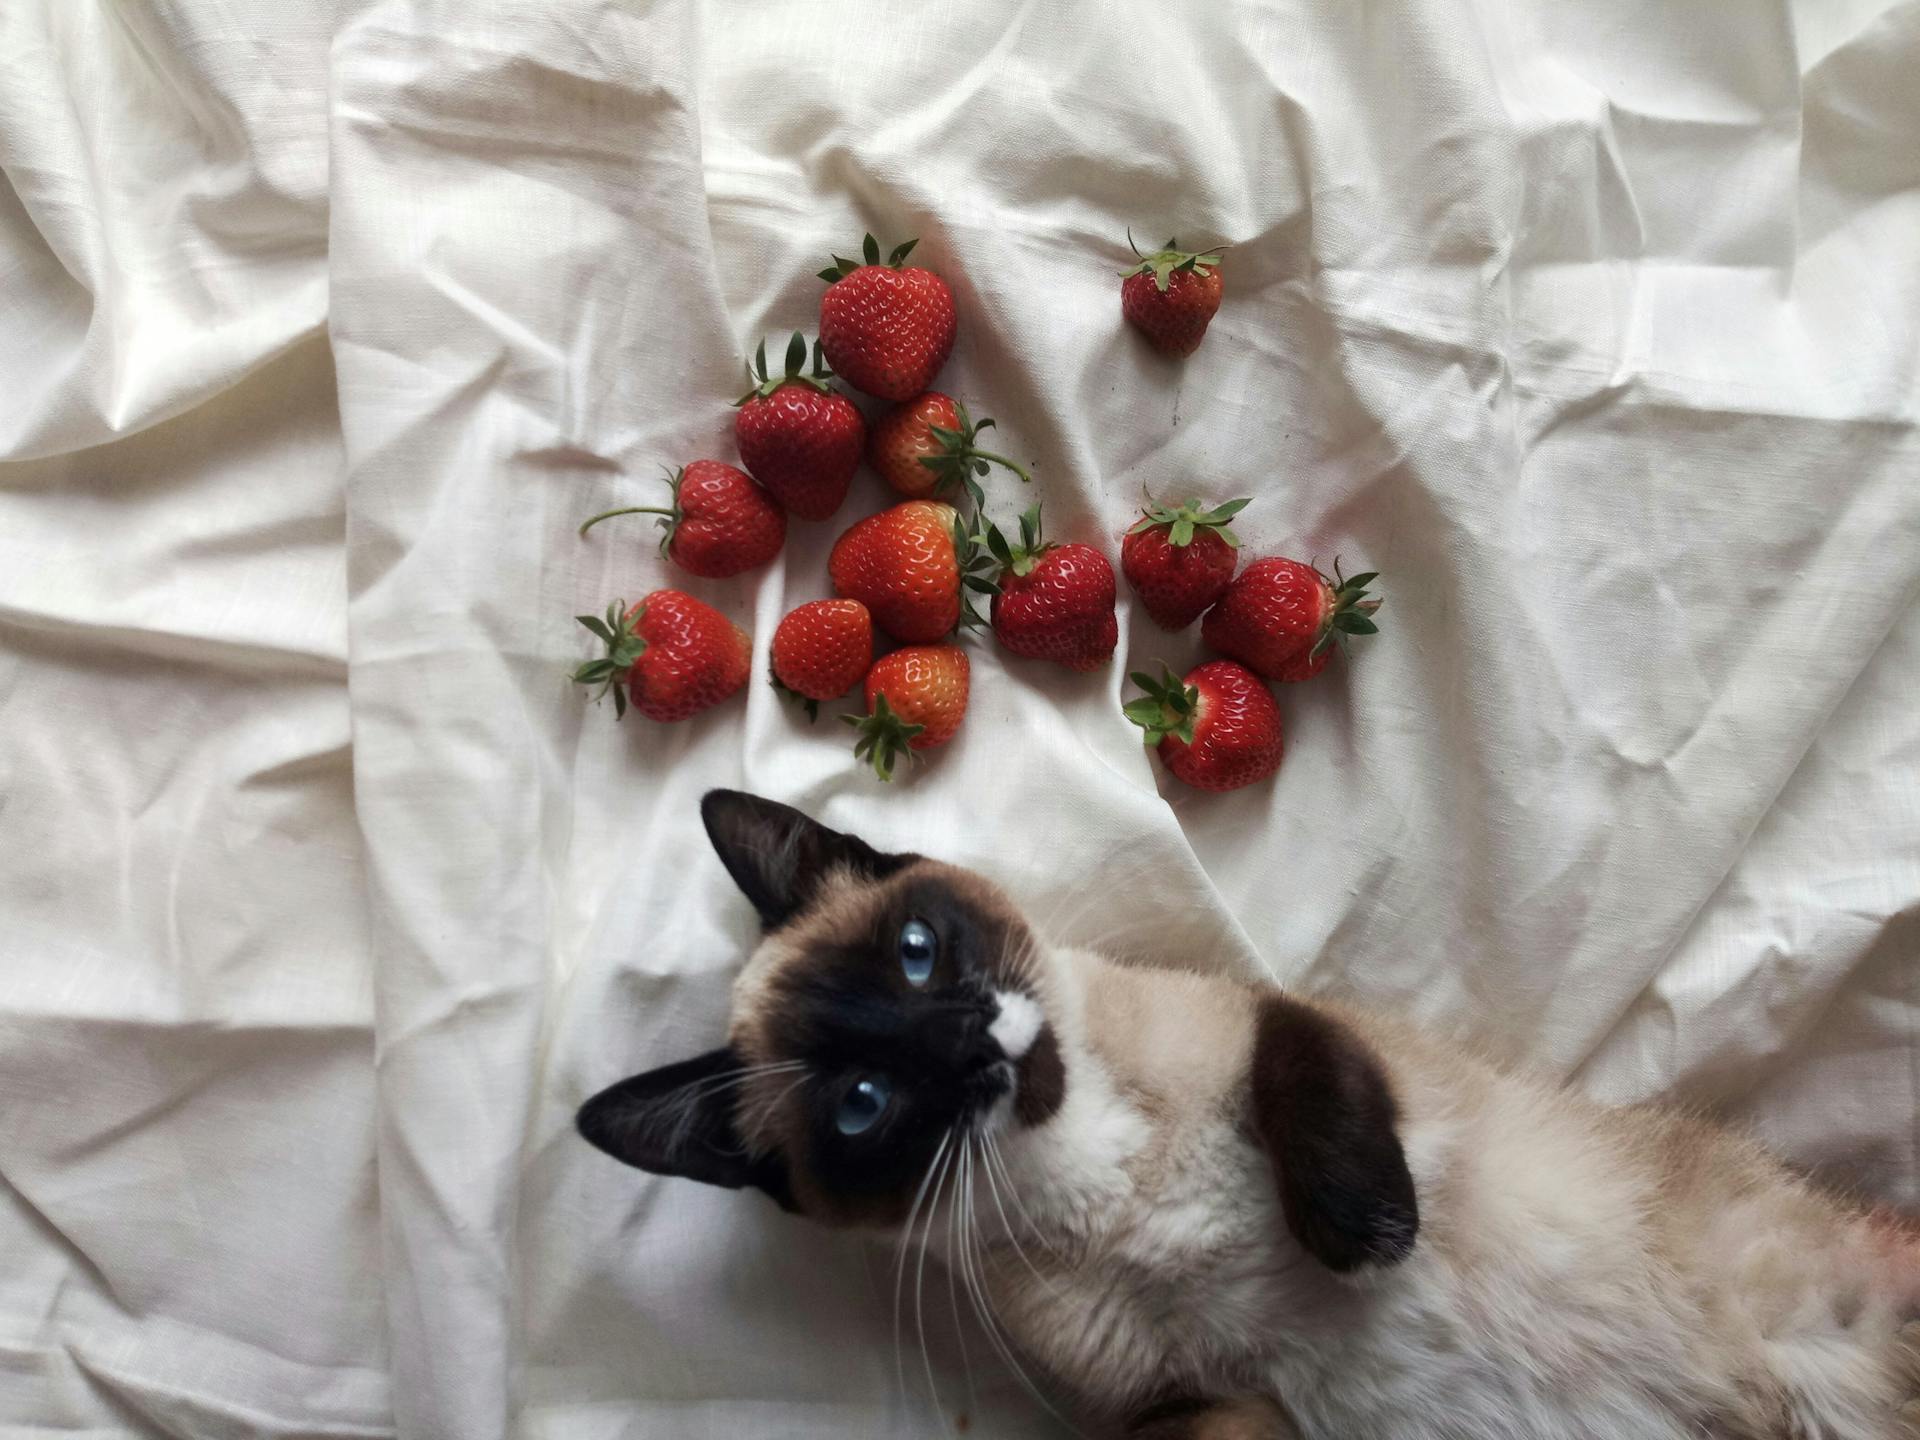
column 1212, row 1210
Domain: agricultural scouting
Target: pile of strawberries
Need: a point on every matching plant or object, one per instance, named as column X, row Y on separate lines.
column 910, row 573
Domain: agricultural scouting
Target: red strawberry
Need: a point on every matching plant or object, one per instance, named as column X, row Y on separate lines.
column 821, row 650
column 1280, row 618
column 905, row 565
column 1172, row 295
column 916, row 699
column 1218, row 729
column 1054, row 602
column 886, row 330
column 799, row 436
column 675, row 655
column 1179, row 560
column 925, row 447
column 720, row 523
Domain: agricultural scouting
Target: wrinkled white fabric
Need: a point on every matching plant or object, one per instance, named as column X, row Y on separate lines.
column 324, row 900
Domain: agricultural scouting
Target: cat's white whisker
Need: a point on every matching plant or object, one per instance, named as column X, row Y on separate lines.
column 973, row 1268
column 920, row 1286
column 953, row 1298
column 996, row 1156
column 904, row 1252
column 1006, row 1225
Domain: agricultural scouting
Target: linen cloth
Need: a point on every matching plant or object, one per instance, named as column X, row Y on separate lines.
column 324, row 899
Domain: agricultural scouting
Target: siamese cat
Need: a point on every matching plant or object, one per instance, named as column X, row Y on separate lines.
column 1211, row 1210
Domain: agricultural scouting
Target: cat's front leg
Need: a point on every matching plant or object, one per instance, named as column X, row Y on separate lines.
column 1186, row 1419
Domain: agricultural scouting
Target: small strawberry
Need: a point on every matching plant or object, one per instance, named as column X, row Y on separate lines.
column 916, row 699
column 1172, row 295
column 821, row 651
column 674, row 655
column 1180, row 559
column 886, row 329
column 1053, row 602
column 1281, row 618
column 1218, row 729
column 799, row 436
column 925, row 447
column 720, row 522
column 907, row 565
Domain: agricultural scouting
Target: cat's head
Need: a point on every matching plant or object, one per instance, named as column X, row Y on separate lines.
column 892, row 1002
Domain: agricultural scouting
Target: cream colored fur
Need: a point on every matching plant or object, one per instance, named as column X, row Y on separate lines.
column 1579, row 1272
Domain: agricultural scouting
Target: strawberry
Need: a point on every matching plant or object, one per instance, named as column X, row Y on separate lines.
column 916, row 699
column 925, row 447
column 1217, row 729
column 821, row 650
column 799, row 436
column 1172, row 295
column 1179, row 560
column 907, row 565
column 675, row 656
column 1280, row 618
column 720, row 522
column 1053, row 602
column 886, row 329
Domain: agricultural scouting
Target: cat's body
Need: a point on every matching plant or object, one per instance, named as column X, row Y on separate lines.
column 1580, row 1272
column 1212, row 1211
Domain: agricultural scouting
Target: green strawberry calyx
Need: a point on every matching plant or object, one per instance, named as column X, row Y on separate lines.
column 1183, row 522
column 870, row 250
column 1016, row 559
column 787, row 692
column 974, row 560
column 670, row 516
column 960, row 460
column 1167, row 708
column 1351, row 611
column 883, row 736
column 1171, row 260
column 762, row 385
column 620, row 634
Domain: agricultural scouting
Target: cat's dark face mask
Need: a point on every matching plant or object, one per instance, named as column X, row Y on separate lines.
column 890, row 1009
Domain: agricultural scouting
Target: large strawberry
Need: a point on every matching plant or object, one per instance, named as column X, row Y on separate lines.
column 908, row 565
column 1180, row 558
column 800, row 437
column 916, row 699
column 1280, row 618
column 886, row 328
column 1217, row 729
column 1052, row 602
column 720, row 522
column 926, row 447
column 822, row 650
column 674, row 655
column 1172, row 295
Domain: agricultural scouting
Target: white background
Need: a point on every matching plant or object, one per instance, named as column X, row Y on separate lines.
column 323, row 901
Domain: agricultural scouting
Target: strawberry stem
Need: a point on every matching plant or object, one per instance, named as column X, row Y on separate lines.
column 883, row 736
column 1181, row 522
column 1015, row 466
column 1166, row 706
column 1170, row 260
column 1351, row 612
column 619, row 632
column 793, row 373
column 626, row 510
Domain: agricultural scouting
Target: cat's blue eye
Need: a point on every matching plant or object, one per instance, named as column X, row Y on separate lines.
column 917, row 951
column 865, row 1103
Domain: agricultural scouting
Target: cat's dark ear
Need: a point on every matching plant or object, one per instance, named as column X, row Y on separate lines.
column 678, row 1120
column 1326, row 1117
column 778, row 857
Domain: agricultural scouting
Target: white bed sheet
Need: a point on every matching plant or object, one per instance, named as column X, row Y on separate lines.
column 1593, row 326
